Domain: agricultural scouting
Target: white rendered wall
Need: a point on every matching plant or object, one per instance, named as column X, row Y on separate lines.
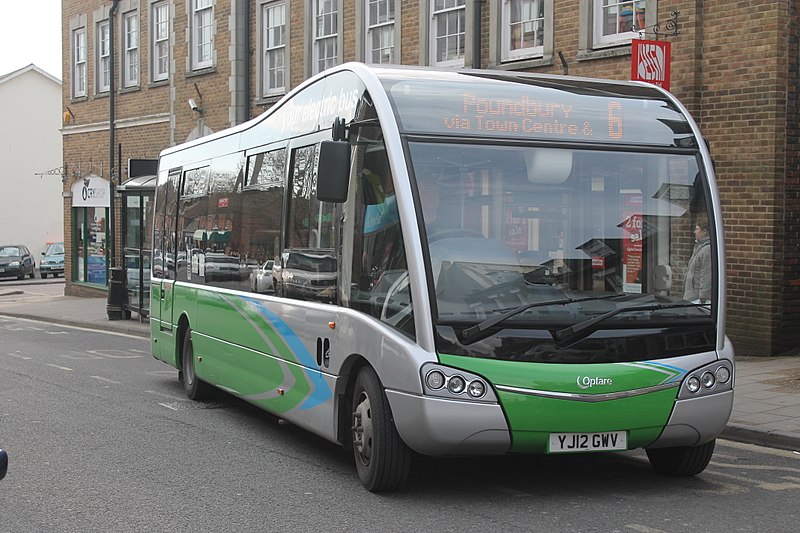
column 31, row 206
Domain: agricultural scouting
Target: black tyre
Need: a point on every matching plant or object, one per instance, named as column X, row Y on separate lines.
column 33, row 273
column 382, row 458
column 681, row 460
column 195, row 388
column 44, row 275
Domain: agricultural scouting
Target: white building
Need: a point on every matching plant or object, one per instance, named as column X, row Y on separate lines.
column 31, row 203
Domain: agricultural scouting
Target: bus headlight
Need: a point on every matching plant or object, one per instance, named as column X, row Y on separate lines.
column 446, row 382
column 709, row 379
column 476, row 389
column 435, row 379
column 456, row 384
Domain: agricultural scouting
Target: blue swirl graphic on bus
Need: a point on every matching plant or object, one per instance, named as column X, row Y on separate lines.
column 320, row 392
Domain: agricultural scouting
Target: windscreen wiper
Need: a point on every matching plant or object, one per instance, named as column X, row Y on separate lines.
column 473, row 333
column 581, row 330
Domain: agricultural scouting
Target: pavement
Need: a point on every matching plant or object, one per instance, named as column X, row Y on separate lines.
column 766, row 405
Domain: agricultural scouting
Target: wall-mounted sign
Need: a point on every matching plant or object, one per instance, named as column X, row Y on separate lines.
column 650, row 61
column 91, row 191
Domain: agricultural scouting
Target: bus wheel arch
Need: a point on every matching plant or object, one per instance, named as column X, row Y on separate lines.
column 382, row 458
column 195, row 388
column 183, row 327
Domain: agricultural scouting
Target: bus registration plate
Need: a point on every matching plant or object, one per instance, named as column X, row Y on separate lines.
column 587, row 442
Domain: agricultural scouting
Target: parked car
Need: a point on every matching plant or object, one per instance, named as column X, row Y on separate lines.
column 221, row 267
column 16, row 260
column 53, row 260
column 306, row 274
column 261, row 279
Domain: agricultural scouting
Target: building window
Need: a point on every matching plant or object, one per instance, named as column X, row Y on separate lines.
column 103, row 73
column 617, row 21
column 79, row 63
column 326, row 34
column 523, row 29
column 130, row 59
column 202, row 24
column 273, row 43
column 380, row 31
column 447, row 32
column 160, row 41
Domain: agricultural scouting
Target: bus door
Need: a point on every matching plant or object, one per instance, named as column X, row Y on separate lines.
column 164, row 267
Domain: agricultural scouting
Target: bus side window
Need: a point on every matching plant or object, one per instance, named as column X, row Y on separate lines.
column 309, row 268
column 262, row 214
column 379, row 282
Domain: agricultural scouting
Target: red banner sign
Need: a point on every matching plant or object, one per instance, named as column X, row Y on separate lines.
column 650, row 61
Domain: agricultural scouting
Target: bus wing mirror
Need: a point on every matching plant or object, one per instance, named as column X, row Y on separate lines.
column 334, row 171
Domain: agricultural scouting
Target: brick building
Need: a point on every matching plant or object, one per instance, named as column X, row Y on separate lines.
column 185, row 68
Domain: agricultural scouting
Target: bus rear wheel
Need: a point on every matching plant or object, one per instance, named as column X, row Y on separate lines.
column 195, row 388
column 382, row 458
column 681, row 460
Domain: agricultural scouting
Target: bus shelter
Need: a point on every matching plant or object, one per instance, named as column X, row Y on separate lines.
column 137, row 206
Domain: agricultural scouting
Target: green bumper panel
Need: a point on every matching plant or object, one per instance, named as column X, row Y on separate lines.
column 648, row 391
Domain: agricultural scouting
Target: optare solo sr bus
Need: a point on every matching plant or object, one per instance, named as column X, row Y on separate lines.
column 462, row 262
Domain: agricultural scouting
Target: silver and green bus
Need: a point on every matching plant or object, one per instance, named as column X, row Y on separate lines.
column 453, row 262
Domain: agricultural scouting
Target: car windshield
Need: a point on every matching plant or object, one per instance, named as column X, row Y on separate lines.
column 55, row 249
column 311, row 262
column 9, row 251
column 508, row 226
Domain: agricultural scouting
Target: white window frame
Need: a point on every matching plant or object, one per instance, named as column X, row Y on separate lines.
column 273, row 47
column 448, row 7
column 130, row 52
column 376, row 24
column 507, row 54
column 614, row 39
column 201, row 27
column 79, row 62
column 103, row 61
column 325, row 46
column 159, row 41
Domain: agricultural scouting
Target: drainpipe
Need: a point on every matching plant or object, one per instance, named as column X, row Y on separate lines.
column 476, row 36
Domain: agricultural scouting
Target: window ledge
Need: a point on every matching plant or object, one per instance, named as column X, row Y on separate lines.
column 268, row 101
column 201, row 72
column 158, row 83
column 131, row 89
column 518, row 64
column 618, row 51
column 76, row 99
column 100, row 95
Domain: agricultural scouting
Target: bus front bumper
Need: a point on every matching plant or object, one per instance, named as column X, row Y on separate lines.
column 696, row 421
column 436, row 426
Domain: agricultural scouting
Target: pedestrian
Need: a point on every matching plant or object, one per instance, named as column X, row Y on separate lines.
column 697, row 285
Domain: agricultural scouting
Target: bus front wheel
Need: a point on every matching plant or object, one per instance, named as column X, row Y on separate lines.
column 381, row 456
column 195, row 388
column 681, row 460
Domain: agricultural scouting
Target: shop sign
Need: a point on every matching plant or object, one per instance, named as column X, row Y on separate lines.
column 650, row 62
column 91, row 191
